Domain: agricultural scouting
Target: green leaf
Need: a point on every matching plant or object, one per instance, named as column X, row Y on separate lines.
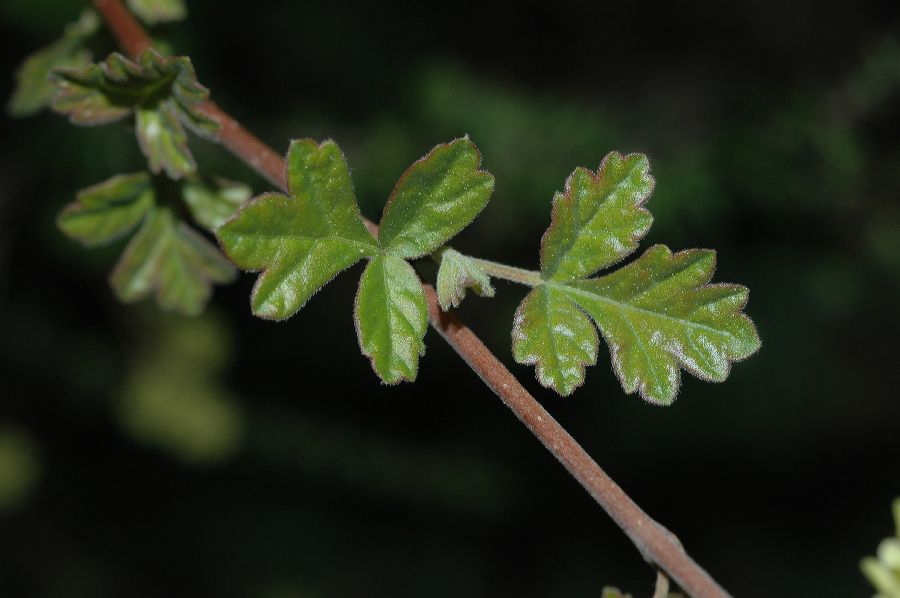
column 434, row 199
column 161, row 92
column 391, row 318
column 168, row 258
column 599, row 218
column 550, row 332
column 658, row 314
column 458, row 272
column 34, row 89
column 109, row 210
column 301, row 242
column 213, row 200
column 153, row 12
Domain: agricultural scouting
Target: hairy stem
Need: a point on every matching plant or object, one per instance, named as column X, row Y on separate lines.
column 529, row 278
column 657, row 545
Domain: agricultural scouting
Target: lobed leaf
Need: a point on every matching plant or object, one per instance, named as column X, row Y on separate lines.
column 299, row 242
column 391, row 318
column 551, row 333
column 599, row 218
column 153, row 12
column 435, row 199
column 659, row 313
column 456, row 273
column 34, row 89
column 213, row 200
column 161, row 92
column 168, row 258
column 109, row 210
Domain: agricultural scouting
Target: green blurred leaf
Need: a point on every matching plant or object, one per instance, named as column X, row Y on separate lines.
column 153, row 12
column 391, row 318
column 435, row 199
column 599, row 218
column 161, row 92
column 657, row 314
column 34, row 89
column 458, row 272
column 168, row 258
column 883, row 571
column 213, row 200
column 299, row 242
column 550, row 332
column 109, row 210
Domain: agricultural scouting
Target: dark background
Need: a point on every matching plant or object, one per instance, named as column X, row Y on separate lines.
column 145, row 455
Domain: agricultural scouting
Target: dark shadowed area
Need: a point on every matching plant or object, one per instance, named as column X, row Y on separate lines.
column 145, row 454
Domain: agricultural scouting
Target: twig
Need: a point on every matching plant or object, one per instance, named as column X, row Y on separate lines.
column 662, row 585
column 657, row 545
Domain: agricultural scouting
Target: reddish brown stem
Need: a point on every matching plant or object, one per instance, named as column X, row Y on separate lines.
column 658, row 546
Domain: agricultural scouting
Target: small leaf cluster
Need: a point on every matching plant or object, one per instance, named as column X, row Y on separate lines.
column 165, row 257
column 302, row 240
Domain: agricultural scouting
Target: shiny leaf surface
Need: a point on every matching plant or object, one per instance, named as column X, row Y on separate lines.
column 109, row 210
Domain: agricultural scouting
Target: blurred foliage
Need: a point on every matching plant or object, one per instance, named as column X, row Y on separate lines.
column 19, row 467
column 773, row 129
column 883, row 571
column 172, row 397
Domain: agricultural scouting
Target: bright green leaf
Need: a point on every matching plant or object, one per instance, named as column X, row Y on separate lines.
column 458, row 272
column 34, row 89
column 168, row 258
column 153, row 12
column 658, row 313
column 162, row 93
column 434, row 199
column 301, row 242
column 109, row 210
column 391, row 318
column 598, row 219
column 550, row 332
column 213, row 200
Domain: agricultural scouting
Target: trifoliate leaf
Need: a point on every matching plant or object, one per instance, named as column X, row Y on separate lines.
column 301, row 241
column 391, row 318
column 161, row 92
column 550, row 332
column 599, row 218
column 657, row 314
column 34, row 89
column 213, row 200
column 158, row 11
column 458, row 272
column 168, row 258
column 109, row 210
column 435, row 199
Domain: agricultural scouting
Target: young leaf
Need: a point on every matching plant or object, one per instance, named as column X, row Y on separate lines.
column 109, row 210
column 171, row 259
column 550, row 332
column 162, row 93
column 598, row 219
column 34, row 89
column 456, row 273
column 435, row 199
column 391, row 318
column 213, row 200
column 153, row 12
column 657, row 314
column 301, row 242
